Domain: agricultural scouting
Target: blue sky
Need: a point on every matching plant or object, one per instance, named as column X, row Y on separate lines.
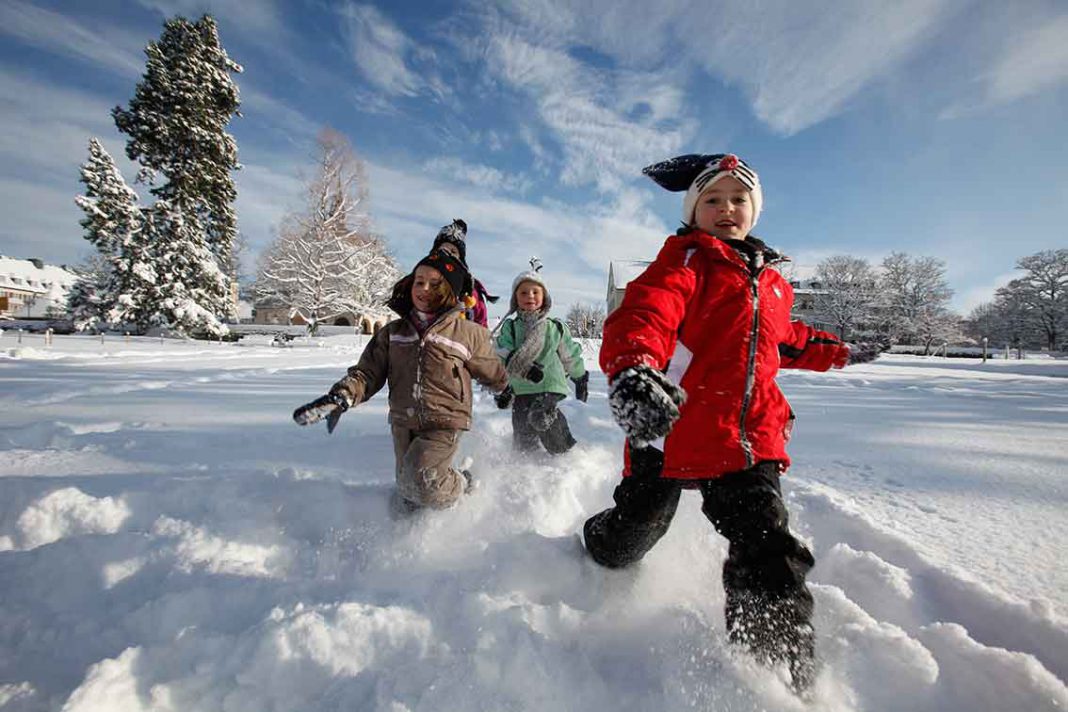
column 936, row 127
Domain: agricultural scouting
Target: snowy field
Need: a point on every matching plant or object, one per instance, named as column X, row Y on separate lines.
column 170, row 540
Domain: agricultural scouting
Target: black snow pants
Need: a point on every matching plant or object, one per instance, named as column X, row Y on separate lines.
column 536, row 418
column 768, row 605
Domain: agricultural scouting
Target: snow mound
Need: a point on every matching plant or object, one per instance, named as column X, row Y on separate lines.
column 68, row 512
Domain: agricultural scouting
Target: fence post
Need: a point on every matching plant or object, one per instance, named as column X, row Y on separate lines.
column 101, row 337
column 20, row 336
column 48, row 337
column 984, row 349
column 945, row 350
column 126, row 336
column 1006, row 352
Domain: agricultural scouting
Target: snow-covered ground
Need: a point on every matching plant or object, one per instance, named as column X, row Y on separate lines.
column 170, row 540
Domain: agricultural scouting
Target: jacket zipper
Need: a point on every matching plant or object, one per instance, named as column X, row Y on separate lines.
column 750, row 368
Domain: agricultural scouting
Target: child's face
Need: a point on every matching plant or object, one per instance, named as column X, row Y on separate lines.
column 429, row 289
column 725, row 210
column 529, row 296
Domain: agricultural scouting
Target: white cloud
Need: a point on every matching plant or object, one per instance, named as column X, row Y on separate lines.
column 381, row 51
column 1035, row 61
column 798, row 62
column 477, row 174
column 576, row 242
column 108, row 47
column 584, row 112
column 262, row 17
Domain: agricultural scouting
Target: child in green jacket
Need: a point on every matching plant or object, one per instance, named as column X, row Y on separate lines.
column 540, row 356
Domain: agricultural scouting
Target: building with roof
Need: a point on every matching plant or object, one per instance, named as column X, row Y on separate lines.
column 31, row 289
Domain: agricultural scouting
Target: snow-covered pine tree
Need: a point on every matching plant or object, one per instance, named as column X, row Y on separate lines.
column 192, row 289
column 122, row 286
column 177, row 122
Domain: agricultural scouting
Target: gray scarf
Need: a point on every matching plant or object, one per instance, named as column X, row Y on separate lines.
column 534, row 326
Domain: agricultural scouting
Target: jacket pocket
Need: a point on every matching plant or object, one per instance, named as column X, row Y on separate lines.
column 460, row 383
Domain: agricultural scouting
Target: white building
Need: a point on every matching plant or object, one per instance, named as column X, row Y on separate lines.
column 620, row 273
column 30, row 288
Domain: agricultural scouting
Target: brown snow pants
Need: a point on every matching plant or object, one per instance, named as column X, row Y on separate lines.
column 425, row 475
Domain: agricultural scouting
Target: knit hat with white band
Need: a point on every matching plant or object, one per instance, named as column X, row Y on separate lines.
column 696, row 172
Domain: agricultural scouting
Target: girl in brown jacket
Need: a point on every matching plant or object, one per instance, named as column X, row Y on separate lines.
column 428, row 357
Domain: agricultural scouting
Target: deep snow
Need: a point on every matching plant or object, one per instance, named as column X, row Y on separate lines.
column 170, row 540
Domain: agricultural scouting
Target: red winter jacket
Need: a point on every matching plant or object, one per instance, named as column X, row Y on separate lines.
column 721, row 330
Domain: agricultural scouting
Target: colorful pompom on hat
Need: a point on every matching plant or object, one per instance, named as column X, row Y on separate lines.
column 454, row 233
column 696, row 172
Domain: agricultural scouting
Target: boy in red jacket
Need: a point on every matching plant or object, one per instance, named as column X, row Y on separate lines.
column 691, row 355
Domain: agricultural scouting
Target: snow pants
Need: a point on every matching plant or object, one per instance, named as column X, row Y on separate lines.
column 768, row 605
column 536, row 418
column 425, row 475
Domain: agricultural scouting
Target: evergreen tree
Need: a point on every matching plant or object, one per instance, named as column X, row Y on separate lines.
column 177, row 122
column 192, row 291
column 121, row 287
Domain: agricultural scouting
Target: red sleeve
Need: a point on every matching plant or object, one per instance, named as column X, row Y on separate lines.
column 644, row 328
column 810, row 348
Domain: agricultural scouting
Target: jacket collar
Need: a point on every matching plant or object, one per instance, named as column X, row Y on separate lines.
column 754, row 246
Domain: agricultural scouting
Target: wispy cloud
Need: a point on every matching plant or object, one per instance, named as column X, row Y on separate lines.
column 263, row 17
column 476, row 174
column 381, row 51
column 798, row 63
column 586, row 115
column 1036, row 61
column 114, row 48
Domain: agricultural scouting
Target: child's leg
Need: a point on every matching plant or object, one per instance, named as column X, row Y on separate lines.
column 524, row 437
column 550, row 424
column 425, row 473
column 645, row 506
column 769, row 607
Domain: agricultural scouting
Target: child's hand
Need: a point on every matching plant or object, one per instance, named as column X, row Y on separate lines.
column 504, row 398
column 330, row 406
column 582, row 387
column 645, row 403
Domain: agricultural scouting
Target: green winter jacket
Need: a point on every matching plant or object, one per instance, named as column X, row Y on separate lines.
column 560, row 357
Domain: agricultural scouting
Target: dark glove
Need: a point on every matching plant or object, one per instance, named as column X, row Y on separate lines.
column 535, row 374
column 859, row 353
column 645, row 403
column 582, row 387
column 504, row 398
column 330, row 406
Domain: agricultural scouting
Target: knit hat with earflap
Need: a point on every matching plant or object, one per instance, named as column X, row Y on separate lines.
column 531, row 275
column 454, row 233
column 696, row 172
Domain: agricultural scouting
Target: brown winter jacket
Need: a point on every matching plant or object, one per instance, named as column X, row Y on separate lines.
column 430, row 376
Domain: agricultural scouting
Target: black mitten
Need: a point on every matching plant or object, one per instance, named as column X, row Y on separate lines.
column 330, row 406
column 504, row 398
column 582, row 387
column 645, row 403
column 535, row 374
column 864, row 352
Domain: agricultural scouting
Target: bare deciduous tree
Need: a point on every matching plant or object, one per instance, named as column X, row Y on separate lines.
column 585, row 321
column 914, row 300
column 848, row 292
column 326, row 262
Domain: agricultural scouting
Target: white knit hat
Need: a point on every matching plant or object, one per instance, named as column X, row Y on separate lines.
column 531, row 275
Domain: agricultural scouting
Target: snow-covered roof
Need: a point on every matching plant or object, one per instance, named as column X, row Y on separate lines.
column 621, row 272
column 27, row 276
